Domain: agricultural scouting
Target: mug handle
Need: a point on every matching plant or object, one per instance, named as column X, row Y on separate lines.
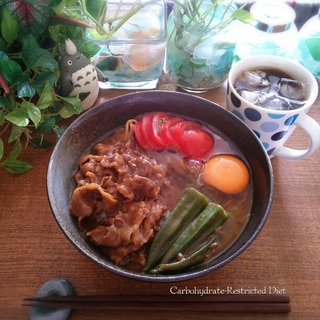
column 312, row 128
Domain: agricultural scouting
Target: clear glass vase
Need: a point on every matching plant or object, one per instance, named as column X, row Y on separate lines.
column 133, row 46
column 273, row 32
column 309, row 45
column 200, row 47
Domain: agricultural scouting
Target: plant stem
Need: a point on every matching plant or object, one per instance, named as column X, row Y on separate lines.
column 138, row 5
column 5, row 128
column 87, row 13
column 197, row 21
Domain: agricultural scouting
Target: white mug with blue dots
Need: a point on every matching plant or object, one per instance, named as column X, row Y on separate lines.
column 273, row 124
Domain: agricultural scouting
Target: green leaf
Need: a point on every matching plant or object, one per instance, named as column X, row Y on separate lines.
column 15, row 151
column 9, row 27
column 243, row 16
column 25, row 90
column 97, row 8
column 34, row 56
column 45, row 98
column 16, row 166
column 65, row 113
column 12, row 165
column 59, row 131
column 54, row 32
column 3, row 55
column 32, row 15
column 11, row 71
column 72, row 106
column 1, row 148
column 60, row 32
column 19, row 117
column 33, row 112
column 45, row 60
column 2, row 44
column 88, row 48
column 15, row 133
column 6, row 104
column 55, row 2
column 60, row 5
column 47, row 126
column 44, row 78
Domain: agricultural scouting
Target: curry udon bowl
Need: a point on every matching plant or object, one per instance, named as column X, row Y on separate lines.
column 92, row 126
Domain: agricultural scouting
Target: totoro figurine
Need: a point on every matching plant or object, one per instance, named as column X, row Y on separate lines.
column 78, row 77
column 167, row 81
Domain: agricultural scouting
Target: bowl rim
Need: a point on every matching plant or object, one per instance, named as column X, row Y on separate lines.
column 177, row 277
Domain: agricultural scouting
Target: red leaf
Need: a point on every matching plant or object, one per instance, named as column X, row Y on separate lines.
column 32, row 16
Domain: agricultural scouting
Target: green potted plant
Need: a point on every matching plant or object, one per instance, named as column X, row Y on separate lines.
column 202, row 41
column 30, row 108
column 31, row 34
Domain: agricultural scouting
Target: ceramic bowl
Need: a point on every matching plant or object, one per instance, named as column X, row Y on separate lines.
column 88, row 129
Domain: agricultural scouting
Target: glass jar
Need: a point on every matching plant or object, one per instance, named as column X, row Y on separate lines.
column 309, row 45
column 133, row 45
column 274, row 32
column 200, row 47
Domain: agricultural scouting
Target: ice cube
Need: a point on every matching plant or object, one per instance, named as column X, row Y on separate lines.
column 273, row 102
column 250, row 96
column 292, row 89
column 256, row 78
column 295, row 104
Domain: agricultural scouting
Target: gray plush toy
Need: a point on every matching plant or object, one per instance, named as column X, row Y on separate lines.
column 78, row 77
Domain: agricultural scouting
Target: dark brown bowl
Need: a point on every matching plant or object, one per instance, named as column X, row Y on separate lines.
column 91, row 126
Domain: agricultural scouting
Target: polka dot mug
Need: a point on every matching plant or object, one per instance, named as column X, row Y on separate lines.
column 273, row 126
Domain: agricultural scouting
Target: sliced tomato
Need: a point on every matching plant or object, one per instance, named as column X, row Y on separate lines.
column 196, row 143
column 146, row 128
column 166, row 135
column 187, row 124
column 158, row 121
column 179, row 128
column 139, row 136
column 161, row 131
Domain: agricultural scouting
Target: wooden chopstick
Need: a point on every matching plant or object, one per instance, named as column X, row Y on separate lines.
column 212, row 303
column 276, row 298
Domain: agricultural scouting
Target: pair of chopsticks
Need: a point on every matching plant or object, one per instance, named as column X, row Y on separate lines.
column 265, row 303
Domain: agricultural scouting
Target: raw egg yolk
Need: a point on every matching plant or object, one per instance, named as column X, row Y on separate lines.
column 226, row 173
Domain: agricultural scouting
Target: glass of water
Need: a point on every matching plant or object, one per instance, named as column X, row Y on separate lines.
column 133, row 48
